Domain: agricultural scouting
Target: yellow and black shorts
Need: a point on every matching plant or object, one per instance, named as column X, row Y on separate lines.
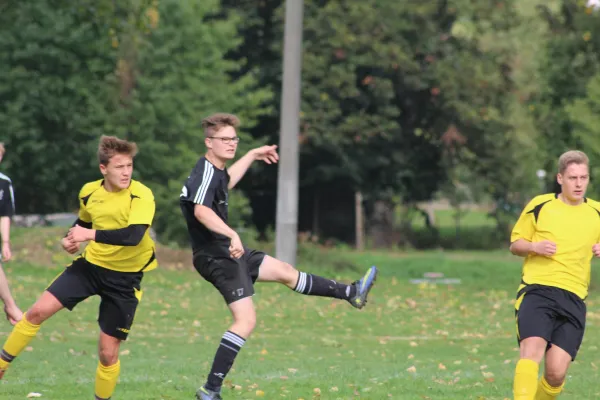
column 120, row 293
column 554, row 314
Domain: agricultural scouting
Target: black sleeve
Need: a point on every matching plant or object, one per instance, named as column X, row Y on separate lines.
column 81, row 223
column 201, row 186
column 130, row 236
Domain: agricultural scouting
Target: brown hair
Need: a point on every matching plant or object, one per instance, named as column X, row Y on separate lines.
column 111, row 145
column 572, row 157
column 216, row 122
column 2, row 149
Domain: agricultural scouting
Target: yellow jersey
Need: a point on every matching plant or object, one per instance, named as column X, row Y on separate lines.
column 574, row 229
column 116, row 210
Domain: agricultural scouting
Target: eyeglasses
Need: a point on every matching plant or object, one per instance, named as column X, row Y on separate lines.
column 226, row 140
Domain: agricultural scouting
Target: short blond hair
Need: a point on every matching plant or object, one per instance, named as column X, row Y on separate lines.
column 572, row 157
column 2, row 149
column 216, row 122
column 110, row 146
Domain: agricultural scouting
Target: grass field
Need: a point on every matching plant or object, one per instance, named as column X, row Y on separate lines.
column 410, row 342
column 445, row 219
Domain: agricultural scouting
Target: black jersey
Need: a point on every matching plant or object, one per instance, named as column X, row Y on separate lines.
column 206, row 185
column 7, row 197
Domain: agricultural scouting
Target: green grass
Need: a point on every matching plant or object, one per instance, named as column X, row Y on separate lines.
column 410, row 342
column 445, row 219
column 476, row 231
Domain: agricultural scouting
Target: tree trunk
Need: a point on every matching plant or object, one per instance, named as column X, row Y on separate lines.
column 382, row 224
column 315, row 221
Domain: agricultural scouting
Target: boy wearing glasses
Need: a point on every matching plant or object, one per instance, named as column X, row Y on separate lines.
column 220, row 257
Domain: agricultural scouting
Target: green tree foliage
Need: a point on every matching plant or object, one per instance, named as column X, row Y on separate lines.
column 182, row 75
column 584, row 113
column 141, row 71
column 400, row 99
column 54, row 72
column 567, row 67
column 383, row 81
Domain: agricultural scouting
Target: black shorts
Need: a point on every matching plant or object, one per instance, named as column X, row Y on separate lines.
column 554, row 314
column 120, row 293
column 234, row 278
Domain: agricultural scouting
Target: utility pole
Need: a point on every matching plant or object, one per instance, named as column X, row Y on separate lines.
column 287, row 180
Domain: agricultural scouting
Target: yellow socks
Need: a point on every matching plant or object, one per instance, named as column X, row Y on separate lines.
column 106, row 380
column 19, row 338
column 526, row 379
column 547, row 392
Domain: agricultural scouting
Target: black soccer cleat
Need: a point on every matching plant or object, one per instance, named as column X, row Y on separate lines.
column 205, row 394
column 363, row 286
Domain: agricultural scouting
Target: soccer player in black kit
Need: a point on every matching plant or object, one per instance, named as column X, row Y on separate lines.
column 220, row 257
column 7, row 210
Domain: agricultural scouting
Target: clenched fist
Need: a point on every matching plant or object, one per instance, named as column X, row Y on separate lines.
column 544, row 248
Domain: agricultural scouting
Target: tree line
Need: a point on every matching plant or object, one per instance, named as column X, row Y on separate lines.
column 402, row 102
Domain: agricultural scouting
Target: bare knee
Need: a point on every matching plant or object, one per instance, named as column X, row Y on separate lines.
column 555, row 378
column 244, row 317
column 285, row 273
column 274, row 270
column 243, row 325
column 108, row 358
column 289, row 275
column 38, row 314
column 46, row 306
column 108, row 355
column 556, row 366
column 533, row 348
column 108, row 349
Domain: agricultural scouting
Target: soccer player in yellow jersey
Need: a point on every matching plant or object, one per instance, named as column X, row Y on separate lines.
column 557, row 234
column 114, row 216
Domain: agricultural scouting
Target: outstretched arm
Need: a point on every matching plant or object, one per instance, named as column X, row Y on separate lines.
column 267, row 154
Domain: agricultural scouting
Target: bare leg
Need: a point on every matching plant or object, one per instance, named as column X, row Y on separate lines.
column 109, row 366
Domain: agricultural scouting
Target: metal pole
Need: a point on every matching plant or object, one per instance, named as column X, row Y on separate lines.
column 287, row 180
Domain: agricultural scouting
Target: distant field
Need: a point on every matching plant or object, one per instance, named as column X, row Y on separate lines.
column 446, row 219
column 475, row 231
column 410, row 342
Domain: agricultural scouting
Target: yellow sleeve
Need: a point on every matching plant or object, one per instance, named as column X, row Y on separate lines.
column 596, row 206
column 526, row 225
column 83, row 214
column 142, row 208
column 85, row 192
